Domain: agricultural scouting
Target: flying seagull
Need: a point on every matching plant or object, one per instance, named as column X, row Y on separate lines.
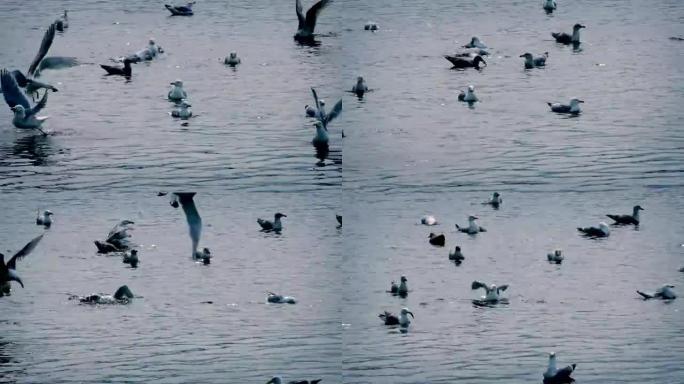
column 307, row 24
column 194, row 223
column 25, row 116
column 8, row 272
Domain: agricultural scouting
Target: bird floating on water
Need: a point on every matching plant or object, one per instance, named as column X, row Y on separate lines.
column 280, row 299
column 360, row 87
column 466, row 62
column 495, row 201
column 456, row 255
column 468, row 95
column 370, row 26
column 553, row 375
column 555, row 257
column 131, row 258
column 44, row 218
column 117, row 238
column 665, row 292
column 628, row 219
column 25, row 116
column 120, row 71
column 8, row 271
column 601, row 231
column 472, row 227
column 400, row 289
column 402, row 320
column 573, row 108
column 276, row 225
column 475, row 43
column 438, row 240
column 428, row 220
column 146, row 54
column 123, row 295
column 233, row 60
column 182, row 110
column 177, row 93
column 534, row 62
column 278, row 380
column 180, row 10
column 549, row 5
column 339, row 220
column 564, row 38
column 62, row 22
column 493, row 292
column 307, row 24
column 194, row 220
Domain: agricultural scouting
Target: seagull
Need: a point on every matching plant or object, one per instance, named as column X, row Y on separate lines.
column 232, row 60
column 180, row 10
column 276, row 225
column 194, row 223
column 371, row 26
column 628, row 219
column 44, row 218
column 549, row 5
column 573, row 108
column 555, row 257
column 472, row 227
column 40, row 62
column 492, row 291
column 401, row 289
column 123, row 295
column 32, row 86
column 62, row 22
column 456, row 255
column 533, row 62
column 8, row 272
column 131, row 258
column 339, row 220
column 177, row 93
column 564, row 38
column 279, row 299
column 558, row 376
column 182, row 110
column 125, row 71
column 25, row 117
column 475, row 43
column 428, row 220
column 402, row 320
column 601, row 231
column 665, row 292
column 146, row 54
column 495, row 201
column 360, row 87
column 466, row 62
column 117, row 238
column 468, row 95
column 278, row 380
column 305, row 29
column 323, row 117
column 438, row 240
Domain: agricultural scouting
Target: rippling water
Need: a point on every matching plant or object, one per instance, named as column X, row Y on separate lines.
column 410, row 149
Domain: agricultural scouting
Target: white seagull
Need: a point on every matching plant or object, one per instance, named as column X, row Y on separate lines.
column 472, row 227
column 492, row 291
column 177, row 93
column 44, row 218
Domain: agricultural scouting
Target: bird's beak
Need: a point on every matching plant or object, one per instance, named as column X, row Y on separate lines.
column 475, row 217
column 411, row 313
column 172, row 83
column 580, row 101
column 583, row 26
column 521, row 56
column 284, row 215
column 188, row 105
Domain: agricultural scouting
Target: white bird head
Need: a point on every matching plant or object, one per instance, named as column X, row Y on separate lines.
column 321, row 102
column 18, row 109
column 492, row 287
column 405, row 311
column 472, row 218
column 471, row 88
column 185, row 104
column 575, row 101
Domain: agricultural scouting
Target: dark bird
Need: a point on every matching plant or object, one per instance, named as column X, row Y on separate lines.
column 438, row 240
column 307, row 24
column 456, row 256
column 601, row 231
column 8, row 272
column 564, row 38
column 275, row 225
column 558, row 376
column 278, row 380
column 390, row 319
column 339, row 220
column 112, row 70
column 533, row 62
column 180, row 10
column 466, row 62
column 117, row 238
column 62, row 22
column 628, row 219
column 399, row 289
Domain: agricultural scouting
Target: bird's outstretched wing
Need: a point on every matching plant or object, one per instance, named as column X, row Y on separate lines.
column 48, row 37
column 313, row 12
column 477, row 285
column 334, row 112
column 316, row 102
column 40, row 105
column 502, row 288
column 192, row 216
column 12, row 264
column 300, row 14
column 11, row 92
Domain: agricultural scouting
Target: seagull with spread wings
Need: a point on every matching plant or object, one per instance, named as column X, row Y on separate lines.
column 8, row 272
column 307, row 24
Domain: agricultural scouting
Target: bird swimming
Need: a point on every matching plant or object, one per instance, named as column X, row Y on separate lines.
column 475, row 43
column 194, row 220
column 131, row 258
column 44, row 218
column 182, row 111
column 146, row 54
column 280, row 299
column 112, row 70
column 534, row 62
column 472, row 227
column 628, row 219
column 8, row 271
column 360, row 87
column 339, row 220
column 466, row 62
column 232, row 60
column 549, row 5
column 177, row 93
column 573, row 108
column 62, row 22
column 180, row 10
column 117, row 238
column 428, row 220
column 553, row 375
column 400, row 289
column 492, row 291
column 601, row 231
column 456, row 255
column 123, row 295
column 665, row 292
column 555, row 257
column 370, row 26
column 307, row 24
column 278, row 380
column 276, row 225
column 495, row 201
column 468, row 95
column 438, row 240
column 564, row 38
column 402, row 320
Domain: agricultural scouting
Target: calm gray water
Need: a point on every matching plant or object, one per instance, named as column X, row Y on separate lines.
column 411, row 149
